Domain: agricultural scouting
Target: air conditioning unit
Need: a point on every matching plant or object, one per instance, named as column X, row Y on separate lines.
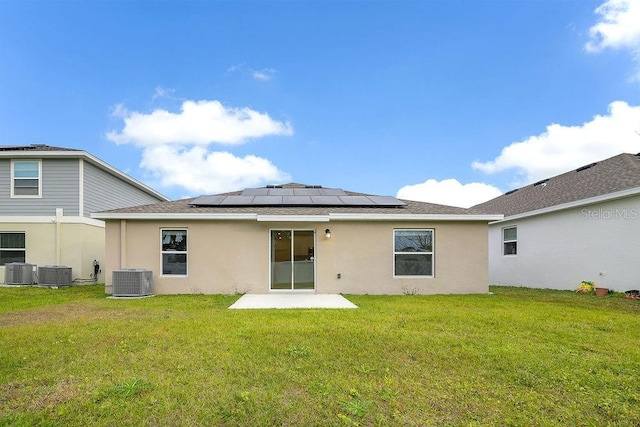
column 18, row 273
column 133, row 282
column 54, row 275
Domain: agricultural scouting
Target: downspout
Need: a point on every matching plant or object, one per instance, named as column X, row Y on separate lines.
column 123, row 244
column 81, row 188
column 58, row 220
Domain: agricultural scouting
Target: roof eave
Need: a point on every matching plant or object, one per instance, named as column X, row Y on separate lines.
column 575, row 204
column 296, row 218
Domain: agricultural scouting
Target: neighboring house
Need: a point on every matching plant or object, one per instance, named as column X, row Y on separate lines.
column 581, row 225
column 297, row 238
column 47, row 195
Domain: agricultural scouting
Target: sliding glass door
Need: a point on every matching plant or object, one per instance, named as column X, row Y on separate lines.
column 292, row 260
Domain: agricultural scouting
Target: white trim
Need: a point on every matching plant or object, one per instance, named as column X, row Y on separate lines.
column 13, row 179
column 293, row 218
column 504, row 241
column 180, row 216
column 81, row 187
column 413, row 217
column 79, row 154
column 432, row 253
column 575, row 204
column 186, row 252
column 25, row 219
column 15, row 249
column 300, row 218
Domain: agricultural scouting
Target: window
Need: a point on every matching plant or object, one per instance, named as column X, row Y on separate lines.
column 510, row 241
column 12, row 248
column 413, row 253
column 26, row 178
column 174, row 252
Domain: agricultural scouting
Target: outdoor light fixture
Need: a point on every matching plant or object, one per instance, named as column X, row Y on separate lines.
column 327, row 233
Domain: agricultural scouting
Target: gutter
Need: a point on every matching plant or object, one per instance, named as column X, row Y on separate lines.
column 296, row 218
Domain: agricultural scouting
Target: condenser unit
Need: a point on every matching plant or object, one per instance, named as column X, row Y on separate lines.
column 132, row 282
column 54, row 275
column 18, row 273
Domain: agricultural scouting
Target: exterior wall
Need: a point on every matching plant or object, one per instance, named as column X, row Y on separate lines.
column 558, row 250
column 81, row 239
column 103, row 191
column 79, row 244
column 60, row 189
column 233, row 256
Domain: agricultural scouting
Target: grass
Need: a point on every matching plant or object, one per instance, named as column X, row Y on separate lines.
column 518, row 357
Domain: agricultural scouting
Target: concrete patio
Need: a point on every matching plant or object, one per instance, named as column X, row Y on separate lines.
column 265, row 301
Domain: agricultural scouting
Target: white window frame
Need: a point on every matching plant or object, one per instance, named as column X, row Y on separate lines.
column 184, row 230
column 505, row 241
column 13, row 179
column 16, row 249
column 432, row 253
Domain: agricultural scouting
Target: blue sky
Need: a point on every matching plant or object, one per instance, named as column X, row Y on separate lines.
column 445, row 101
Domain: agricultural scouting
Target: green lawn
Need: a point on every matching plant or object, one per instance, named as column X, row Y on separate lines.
column 518, row 357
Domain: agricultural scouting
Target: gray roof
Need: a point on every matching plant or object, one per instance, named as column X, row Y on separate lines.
column 34, row 147
column 186, row 207
column 618, row 173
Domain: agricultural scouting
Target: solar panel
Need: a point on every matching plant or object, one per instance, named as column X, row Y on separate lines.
column 327, row 201
column 297, row 200
column 280, row 197
column 208, row 200
column 306, row 192
column 267, row 200
column 237, row 200
column 280, row 192
column 357, row 201
column 254, row 192
column 332, row 192
column 386, row 201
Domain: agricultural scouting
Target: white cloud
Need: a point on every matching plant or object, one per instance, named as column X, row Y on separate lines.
column 618, row 27
column 203, row 172
column 449, row 192
column 264, row 74
column 198, row 122
column 562, row 148
column 161, row 92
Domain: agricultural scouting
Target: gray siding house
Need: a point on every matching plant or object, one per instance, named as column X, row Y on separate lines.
column 47, row 196
column 581, row 225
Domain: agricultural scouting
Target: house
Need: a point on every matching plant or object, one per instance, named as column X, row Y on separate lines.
column 47, row 195
column 300, row 238
column 581, row 225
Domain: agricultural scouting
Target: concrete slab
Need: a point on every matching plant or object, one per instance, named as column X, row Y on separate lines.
column 262, row 301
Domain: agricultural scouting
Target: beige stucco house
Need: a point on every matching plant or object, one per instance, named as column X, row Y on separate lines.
column 297, row 238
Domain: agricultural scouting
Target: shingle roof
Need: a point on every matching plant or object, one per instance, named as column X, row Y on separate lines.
column 34, row 147
column 618, row 173
column 183, row 207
